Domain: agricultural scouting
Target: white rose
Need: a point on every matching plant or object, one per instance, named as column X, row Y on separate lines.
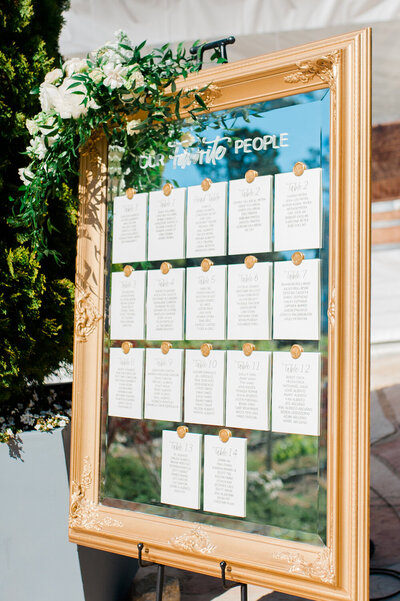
column 62, row 100
column 115, row 75
column 31, row 126
column 187, row 139
column 47, row 124
column 47, row 96
column 37, row 148
column 75, row 65
column 70, row 103
column 26, row 176
column 96, row 75
column 53, row 76
column 136, row 79
column 92, row 104
column 131, row 127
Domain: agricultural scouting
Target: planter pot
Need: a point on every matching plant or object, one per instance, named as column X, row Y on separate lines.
column 37, row 560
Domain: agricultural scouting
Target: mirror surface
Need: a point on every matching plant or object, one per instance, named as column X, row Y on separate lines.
column 286, row 473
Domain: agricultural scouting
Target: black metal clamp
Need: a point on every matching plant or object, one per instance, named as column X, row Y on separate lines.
column 160, row 572
column 243, row 587
column 199, row 50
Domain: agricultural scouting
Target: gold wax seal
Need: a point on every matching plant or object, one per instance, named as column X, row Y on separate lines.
column 250, row 261
column 299, row 168
column 206, row 264
column 128, row 270
column 165, row 267
column 250, row 176
column 248, row 348
column 206, row 349
column 130, row 193
column 296, row 351
column 126, row 347
column 165, row 346
column 224, row 434
column 167, row 189
column 297, row 257
column 182, row 431
column 206, row 184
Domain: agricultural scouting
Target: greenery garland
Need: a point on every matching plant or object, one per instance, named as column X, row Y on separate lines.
column 132, row 96
column 103, row 91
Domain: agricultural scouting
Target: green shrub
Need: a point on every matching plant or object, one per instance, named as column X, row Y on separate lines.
column 36, row 298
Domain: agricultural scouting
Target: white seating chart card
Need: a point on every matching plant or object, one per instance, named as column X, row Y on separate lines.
column 129, row 229
column 297, row 300
column 181, row 469
column 167, row 225
column 298, row 210
column 127, row 305
column 125, row 388
column 250, row 215
column 206, row 221
column 165, row 304
column 248, row 381
column 206, row 303
column 249, row 302
column 225, row 475
column 163, row 385
column 296, row 385
column 204, row 388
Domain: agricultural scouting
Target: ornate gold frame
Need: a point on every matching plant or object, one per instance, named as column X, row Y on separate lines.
column 338, row 571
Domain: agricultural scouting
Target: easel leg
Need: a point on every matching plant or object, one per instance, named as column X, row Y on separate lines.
column 160, row 582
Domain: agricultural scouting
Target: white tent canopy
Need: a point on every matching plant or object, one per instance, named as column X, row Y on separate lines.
column 89, row 23
column 260, row 26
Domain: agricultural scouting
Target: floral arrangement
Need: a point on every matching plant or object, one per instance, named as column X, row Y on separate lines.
column 132, row 97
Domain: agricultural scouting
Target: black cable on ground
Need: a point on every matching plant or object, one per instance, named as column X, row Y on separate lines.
column 385, row 572
column 382, row 572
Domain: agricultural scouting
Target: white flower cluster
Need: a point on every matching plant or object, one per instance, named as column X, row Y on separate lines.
column 70, row 92
column 45, row 424
column 43, row 421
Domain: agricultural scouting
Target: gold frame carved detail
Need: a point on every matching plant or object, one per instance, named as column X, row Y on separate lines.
column 337, row 571
column 196, row 540
column 321, row 67
column 86, row 316
column 83, row 513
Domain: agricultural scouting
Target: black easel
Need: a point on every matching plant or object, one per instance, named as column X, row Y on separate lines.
column 243, row 587
column 160, row 576
column 199, row 50
column 160, row 572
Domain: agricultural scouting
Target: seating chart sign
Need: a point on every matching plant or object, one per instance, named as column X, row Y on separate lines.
column 206, row 303
column 205, row 387
column 248, row 384
column 221, row 335
column 165, row 302
column 296, row 393
column 127, row 305
column 166, row 225
column 164, row 373
column 250, row 294
column 233, row 281
column 126, row 383
column 250, row 219
column 225, row 476
column 206, row 220
column 130, row 224
column 298, row 214
column 180, row 470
